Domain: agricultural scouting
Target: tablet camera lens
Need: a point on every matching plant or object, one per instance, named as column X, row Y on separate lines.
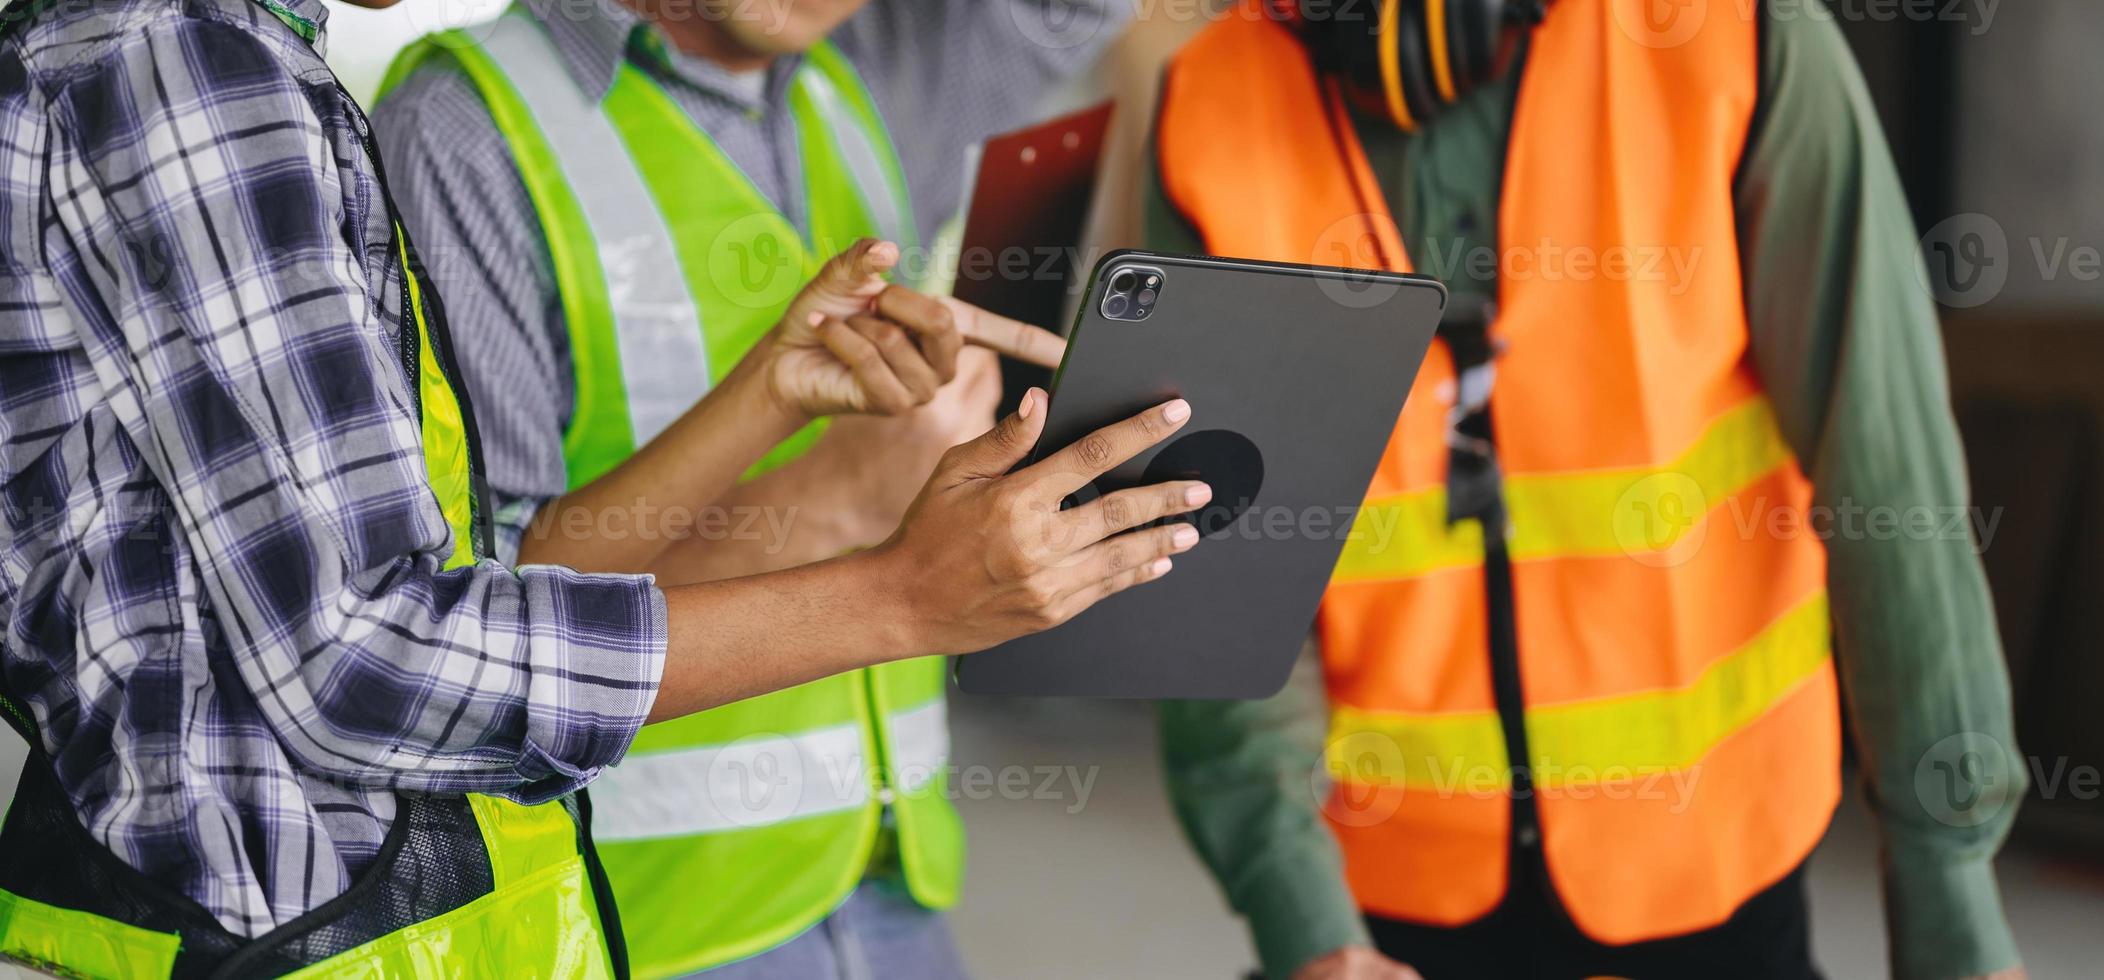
column 1131, row 293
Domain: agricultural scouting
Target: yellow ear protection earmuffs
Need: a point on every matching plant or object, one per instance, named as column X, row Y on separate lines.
column 1408, row 59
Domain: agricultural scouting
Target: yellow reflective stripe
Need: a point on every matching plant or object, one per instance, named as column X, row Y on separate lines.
column 1406, row 536
column 545, row 925
column 1644, row 509
column 81, row 943
column 523, row 840
column 1582, row 742
column 445, row 433
column 1671, row 729
column 1624, row 511
column 1417, row 750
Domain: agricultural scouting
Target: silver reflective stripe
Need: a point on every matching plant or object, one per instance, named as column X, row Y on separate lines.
column 920, row 744
column 657, row 327
column 762, row 780
column 864, row 159
column 753, row 782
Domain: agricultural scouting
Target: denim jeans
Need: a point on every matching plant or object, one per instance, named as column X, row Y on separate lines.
column 877, row 934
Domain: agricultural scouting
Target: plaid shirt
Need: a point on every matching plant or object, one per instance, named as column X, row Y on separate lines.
column 219, row 565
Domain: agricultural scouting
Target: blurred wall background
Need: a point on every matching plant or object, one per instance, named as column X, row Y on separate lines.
column 362, row 42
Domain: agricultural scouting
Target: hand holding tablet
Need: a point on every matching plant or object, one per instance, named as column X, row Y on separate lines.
column 1301, row 372
column 1039, row 565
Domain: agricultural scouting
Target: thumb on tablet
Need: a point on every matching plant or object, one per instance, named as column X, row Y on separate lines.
column 1001, row 447
column 1011, row 338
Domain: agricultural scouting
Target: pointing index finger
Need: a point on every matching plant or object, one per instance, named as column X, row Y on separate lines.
column 1013, row 338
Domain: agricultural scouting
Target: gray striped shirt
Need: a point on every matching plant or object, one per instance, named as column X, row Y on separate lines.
column 944, row 73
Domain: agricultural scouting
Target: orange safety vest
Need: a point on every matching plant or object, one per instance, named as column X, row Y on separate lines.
column 1669, row 602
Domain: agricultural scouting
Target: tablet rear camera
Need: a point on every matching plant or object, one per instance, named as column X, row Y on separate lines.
column 1131, row 293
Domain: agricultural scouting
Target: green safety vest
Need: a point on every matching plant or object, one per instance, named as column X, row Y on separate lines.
column 539, row 918
column 729, row 832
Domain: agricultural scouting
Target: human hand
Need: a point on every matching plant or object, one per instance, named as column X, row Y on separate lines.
column 985, row 555
column 1354, row 963
column 852, row 343
column 961, row 412
column 875, row 465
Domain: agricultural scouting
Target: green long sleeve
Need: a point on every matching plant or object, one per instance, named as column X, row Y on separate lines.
column 1244, row 778
column 1845, row 338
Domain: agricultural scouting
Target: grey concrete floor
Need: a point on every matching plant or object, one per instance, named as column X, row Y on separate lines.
column 1110, row 890
column 1078, row 870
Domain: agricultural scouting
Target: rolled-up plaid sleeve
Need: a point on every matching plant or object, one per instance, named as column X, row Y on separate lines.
column 252, row 360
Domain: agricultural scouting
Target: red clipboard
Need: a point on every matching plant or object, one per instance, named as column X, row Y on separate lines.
column 1029, row 199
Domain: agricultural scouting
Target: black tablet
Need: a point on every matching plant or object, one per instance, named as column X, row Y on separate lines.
column 1296, row 375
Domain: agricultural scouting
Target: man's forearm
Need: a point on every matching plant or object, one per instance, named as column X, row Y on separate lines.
column 698, row 459
column 803, row 512
column 743, row 637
